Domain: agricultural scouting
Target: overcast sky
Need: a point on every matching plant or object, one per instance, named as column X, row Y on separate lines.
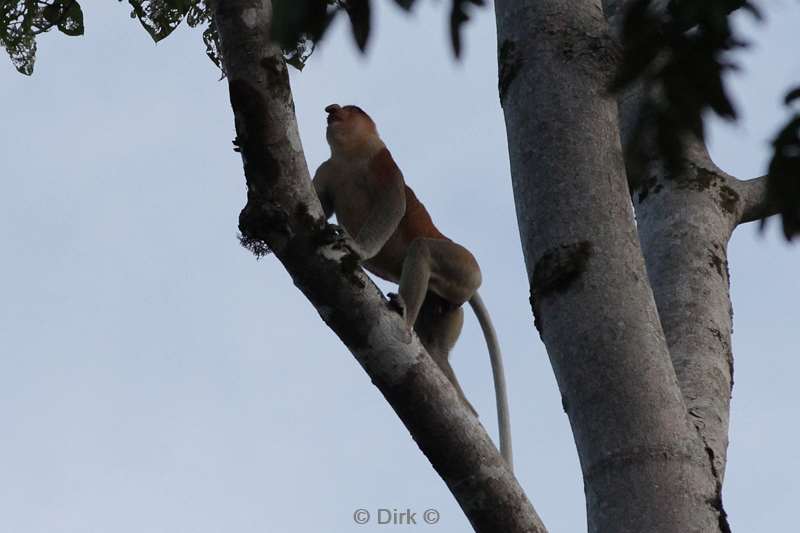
column 156, row 378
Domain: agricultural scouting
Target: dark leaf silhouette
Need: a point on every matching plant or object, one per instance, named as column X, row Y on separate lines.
column 297, row 21
column 792, row 95
column 160, row 17
column 359, row 13
column 783, row 179
column 297, row 26
column 458, row 17
column 680, row 54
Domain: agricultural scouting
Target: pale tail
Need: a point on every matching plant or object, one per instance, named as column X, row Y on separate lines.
column 503, row 420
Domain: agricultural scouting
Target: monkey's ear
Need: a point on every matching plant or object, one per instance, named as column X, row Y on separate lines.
column 333, row 107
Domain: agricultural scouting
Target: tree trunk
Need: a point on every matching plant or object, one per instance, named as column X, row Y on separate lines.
column 685, row 220
column 644, row 465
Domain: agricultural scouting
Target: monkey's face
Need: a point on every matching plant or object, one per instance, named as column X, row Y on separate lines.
column 349, row 129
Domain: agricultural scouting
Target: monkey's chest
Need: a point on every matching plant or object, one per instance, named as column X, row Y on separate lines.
column 352, row 203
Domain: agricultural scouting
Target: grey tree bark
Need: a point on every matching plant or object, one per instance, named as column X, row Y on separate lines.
column 633, row 307
column 283, row 211
column 647, row 381
column 685, row 219
column 642, row 354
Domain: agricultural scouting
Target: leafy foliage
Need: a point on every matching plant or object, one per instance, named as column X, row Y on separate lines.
column 298, row 22
column 22, row 20
column 160, row 18
column 679, row 54
column 298, row 25
column 783, row 180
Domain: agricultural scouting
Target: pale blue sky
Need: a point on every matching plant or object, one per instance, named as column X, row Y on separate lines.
column 155, row 378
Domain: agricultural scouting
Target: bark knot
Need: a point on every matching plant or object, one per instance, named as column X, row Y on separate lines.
column 705, row 180
column 555, row 272
column 717, row 263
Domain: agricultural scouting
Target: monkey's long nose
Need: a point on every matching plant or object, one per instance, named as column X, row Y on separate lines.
column 333, row 111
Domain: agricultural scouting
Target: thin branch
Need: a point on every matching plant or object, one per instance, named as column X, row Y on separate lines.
column 754, row 201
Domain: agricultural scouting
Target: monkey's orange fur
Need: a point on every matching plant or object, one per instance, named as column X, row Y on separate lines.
column 361, row 180
column 394, row 236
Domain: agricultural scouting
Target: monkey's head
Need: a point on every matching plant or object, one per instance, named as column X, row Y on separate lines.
column 350, row 130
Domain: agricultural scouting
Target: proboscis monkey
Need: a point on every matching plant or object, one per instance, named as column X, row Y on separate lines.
column 395, row 239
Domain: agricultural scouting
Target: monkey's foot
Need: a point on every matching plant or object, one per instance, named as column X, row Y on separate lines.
column 397, row 304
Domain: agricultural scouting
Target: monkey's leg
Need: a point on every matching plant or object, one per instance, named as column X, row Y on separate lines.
column 446, row 268
column 438, row 326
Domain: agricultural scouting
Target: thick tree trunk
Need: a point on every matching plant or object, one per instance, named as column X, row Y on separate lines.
column 283, row 211
column 645, row 467
column 685, row 220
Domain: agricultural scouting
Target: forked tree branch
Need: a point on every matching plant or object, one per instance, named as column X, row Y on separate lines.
column 645, row 466
column 284, row 212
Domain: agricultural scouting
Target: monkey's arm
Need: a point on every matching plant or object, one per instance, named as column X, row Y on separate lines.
column 387, row 207
column 322, row 187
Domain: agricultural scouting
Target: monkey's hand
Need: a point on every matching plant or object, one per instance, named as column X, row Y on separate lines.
column 330, row 234
column 339, row 238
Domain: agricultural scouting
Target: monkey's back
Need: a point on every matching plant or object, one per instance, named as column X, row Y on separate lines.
column 417, row 221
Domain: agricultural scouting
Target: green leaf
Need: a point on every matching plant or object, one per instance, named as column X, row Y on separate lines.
column 160, row 17
column 18, row 27
column 52, row 12
column 71, row 19
column 23, row 55
column 211, row 40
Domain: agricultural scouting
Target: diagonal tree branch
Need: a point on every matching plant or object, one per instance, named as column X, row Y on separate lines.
column 283, row 212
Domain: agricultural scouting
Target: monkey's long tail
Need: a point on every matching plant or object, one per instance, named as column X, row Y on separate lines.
column 503, row 419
